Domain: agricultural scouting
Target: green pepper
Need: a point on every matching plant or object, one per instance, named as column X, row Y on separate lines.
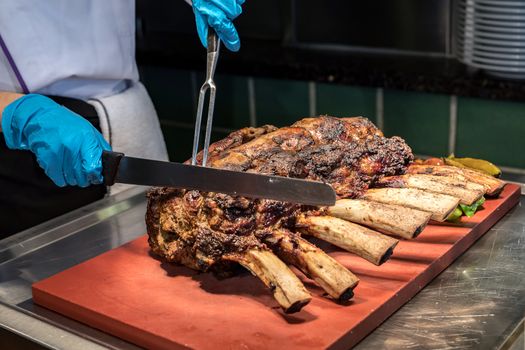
column 455, row 215
column 470, row 210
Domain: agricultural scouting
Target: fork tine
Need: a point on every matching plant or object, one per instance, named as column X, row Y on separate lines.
column 209, row 84
column 198, row 122
column 209, row 123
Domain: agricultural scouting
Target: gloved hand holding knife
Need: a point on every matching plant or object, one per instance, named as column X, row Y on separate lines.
column 73, row 152
column 67, row 146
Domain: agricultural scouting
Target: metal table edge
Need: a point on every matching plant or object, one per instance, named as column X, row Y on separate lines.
column 56, row 337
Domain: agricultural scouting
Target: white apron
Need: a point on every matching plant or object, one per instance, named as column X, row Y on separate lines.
column 130, row 124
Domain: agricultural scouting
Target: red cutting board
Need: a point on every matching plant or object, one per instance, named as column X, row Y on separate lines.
column 130, row 294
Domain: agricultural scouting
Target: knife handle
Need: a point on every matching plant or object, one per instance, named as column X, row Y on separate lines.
column 110, row 163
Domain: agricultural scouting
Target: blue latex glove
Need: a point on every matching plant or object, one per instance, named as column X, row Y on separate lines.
column 66, row 145
column 219, row 15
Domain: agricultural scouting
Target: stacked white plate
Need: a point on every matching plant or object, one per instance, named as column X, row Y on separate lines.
column 490, row 35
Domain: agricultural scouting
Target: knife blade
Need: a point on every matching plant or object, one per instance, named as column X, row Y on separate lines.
column 116, row 167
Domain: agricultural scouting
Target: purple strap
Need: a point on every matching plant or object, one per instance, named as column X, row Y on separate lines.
column 13, row 66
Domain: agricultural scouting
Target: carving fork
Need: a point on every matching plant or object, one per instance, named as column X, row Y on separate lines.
column 212, row 57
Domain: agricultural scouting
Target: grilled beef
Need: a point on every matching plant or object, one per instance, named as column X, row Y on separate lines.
column 210, row 231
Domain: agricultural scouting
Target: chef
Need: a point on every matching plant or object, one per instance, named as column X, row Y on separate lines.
column 69, row 89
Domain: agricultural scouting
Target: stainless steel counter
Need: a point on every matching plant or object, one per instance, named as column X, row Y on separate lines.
column 477, row 303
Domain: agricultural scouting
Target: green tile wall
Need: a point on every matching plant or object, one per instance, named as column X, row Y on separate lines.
column 493, row 130
column 281, row 102
column 421, row 119
column 170, row 91
column 346, row 101
column 174, row 98
column 232, row 109
column 179, row 141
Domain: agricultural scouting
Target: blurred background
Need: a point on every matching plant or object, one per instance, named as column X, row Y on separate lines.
column 405, row 64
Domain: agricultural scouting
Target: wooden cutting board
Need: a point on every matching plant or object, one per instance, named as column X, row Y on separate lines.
column 132, row 295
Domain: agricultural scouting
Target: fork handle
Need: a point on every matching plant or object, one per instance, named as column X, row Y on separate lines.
column 213, row 54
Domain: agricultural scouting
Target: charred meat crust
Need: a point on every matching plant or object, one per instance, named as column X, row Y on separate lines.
column 234, row 139
column 201, row 230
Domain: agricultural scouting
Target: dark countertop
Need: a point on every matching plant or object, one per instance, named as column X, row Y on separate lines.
column 412, row 72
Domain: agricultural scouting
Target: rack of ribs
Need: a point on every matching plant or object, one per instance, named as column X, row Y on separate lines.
column 217, row 232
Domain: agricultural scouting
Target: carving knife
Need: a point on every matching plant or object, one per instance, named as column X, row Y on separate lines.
column 138, row 171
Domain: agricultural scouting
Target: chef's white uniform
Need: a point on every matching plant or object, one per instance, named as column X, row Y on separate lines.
column 82, row 49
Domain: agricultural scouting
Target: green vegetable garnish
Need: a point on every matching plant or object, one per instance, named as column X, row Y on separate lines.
column 470, row 210
column 455, row 215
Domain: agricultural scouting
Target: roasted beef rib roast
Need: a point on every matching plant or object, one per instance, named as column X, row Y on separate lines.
column 217, row 232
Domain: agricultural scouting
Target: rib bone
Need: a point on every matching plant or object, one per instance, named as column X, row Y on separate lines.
column 492, row 185
column 440, row 205
column 333, row 277
column 391, row 219
column 371, row 245
column 467, row 192
column 287, row 289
